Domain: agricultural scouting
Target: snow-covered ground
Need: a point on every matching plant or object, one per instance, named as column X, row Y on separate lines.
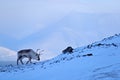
column 103, row 65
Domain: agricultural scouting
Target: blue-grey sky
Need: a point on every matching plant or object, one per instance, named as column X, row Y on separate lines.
column 53, row 25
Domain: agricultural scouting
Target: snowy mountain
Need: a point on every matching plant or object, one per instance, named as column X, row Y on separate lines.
column 7, row 53
column 103, row 64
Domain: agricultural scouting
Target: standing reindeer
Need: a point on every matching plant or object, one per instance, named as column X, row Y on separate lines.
column 28, row 53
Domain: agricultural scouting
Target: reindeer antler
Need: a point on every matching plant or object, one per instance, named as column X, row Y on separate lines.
column 39, row 51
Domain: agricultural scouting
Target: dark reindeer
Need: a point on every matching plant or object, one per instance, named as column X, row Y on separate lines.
column 68, row 50
column 28, row 53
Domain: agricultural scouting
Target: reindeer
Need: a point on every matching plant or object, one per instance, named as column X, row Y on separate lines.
column 28, row 53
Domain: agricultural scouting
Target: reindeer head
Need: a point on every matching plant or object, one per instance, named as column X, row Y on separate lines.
column 38, row 54
column 38, row 57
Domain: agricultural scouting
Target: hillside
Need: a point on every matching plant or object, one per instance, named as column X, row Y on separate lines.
column 104, row 64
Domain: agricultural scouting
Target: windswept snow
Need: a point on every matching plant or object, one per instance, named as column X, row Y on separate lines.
column 103, row 65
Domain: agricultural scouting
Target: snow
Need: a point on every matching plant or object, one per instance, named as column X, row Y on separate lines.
column 7, row 53
column 103, row 65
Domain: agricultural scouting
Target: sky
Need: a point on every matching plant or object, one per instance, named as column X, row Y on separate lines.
column 52, row 25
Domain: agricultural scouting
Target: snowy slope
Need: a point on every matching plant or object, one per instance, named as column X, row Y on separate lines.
column 103, row 65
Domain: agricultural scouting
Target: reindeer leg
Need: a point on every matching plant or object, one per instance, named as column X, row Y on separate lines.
column 18, row 61
column 19, row 57
column 21, row 61
column 29, row 60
